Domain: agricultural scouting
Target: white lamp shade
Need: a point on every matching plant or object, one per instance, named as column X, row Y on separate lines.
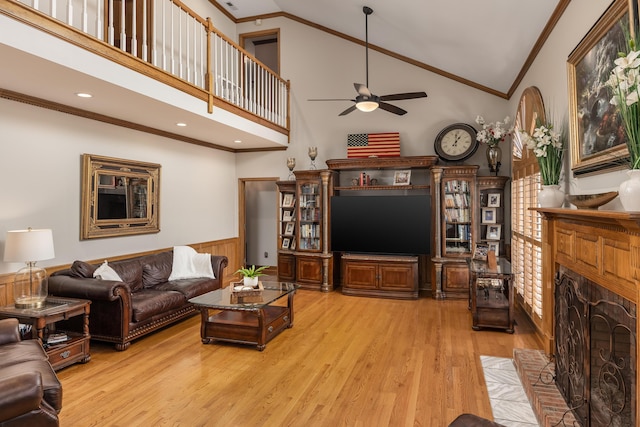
column 29, row 245
column 366, row 106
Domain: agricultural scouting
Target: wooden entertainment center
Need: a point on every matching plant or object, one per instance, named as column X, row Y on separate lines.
column 453, row 192
column 390, row 276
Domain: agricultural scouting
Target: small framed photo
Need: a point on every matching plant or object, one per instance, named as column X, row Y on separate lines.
column 287, row 215
column 285, row 243
column 287, row 200
column 288, row 229
column 493, row 232
column 494, row 247
column 493, row 200
column 480, row 252
column 488, row 215
column 293, row 244
column 402, row 177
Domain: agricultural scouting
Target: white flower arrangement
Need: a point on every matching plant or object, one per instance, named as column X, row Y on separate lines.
column 625, row 84
column 548, row 147
column 493, row 133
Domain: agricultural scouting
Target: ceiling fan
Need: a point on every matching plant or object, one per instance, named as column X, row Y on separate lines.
column 367, row 101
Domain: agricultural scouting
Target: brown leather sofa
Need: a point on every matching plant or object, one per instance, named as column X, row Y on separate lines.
column 30, row 393
column 142, row 303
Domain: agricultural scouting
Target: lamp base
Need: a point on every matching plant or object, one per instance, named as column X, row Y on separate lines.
column 30, row 287
column 30, row 302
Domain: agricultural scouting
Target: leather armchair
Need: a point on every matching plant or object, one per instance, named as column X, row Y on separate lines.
column 27, row 381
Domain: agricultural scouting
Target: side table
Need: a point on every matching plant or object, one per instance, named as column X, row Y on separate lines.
column 491, row 295
column 43, row 322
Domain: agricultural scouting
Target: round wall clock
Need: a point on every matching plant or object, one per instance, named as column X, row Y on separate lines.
column 456, row 142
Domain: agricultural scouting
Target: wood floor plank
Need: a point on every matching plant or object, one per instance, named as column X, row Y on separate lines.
column 348, row 361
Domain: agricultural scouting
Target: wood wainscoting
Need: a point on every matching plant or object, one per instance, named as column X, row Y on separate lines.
column 228, row 247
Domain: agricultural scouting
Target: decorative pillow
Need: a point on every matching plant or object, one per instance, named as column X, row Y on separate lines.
column 104, row 272
column 82, row 269
column 189, row 264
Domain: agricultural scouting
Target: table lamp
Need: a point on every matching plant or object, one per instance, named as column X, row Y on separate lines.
column 31, row 284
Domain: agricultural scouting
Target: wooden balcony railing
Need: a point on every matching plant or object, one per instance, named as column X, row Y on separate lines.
column 167, row 35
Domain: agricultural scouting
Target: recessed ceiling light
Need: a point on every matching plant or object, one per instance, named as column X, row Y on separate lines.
column 84, row 95
column 181, row 124
column 237, row 141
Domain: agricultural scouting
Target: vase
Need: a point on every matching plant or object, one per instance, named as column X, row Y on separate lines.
column 551, row 196
column 494, row 156
column 629, row 191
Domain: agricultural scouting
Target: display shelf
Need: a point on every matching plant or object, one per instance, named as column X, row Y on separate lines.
column 455, row 223
column 286, row 215
column 491, row 213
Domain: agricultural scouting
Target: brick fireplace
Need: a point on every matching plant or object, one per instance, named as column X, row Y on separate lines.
column 591, row 277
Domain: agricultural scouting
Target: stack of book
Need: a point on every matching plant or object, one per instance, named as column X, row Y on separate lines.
column 57, row 338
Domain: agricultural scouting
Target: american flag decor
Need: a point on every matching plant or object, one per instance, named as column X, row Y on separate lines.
column 361, row 145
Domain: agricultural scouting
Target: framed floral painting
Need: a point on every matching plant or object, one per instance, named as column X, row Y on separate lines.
column 597, row 136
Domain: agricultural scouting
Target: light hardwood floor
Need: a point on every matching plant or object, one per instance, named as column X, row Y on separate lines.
column 348, row 361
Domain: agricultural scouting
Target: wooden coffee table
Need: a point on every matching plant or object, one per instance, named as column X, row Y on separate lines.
column 43, row 322
column 245, row 323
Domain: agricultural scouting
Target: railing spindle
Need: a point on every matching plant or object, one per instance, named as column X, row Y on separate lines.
column 111, row 27
column 123, row 33
column 134, row 28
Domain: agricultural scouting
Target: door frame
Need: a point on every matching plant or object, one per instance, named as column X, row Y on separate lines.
column 242, row 206
column 256, row 34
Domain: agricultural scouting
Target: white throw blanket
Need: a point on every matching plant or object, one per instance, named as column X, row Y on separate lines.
column 189, row 264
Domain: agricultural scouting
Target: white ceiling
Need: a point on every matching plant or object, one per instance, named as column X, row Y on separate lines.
column 483, row 41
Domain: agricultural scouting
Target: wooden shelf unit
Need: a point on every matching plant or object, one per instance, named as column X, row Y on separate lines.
column 286, row 215
column 307, row 260
column 455, row 228
column 387, row 276
column 491, row 193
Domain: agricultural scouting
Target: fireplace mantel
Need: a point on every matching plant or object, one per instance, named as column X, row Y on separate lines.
column 603, row 246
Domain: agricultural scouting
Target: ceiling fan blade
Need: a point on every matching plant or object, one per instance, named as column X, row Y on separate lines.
column 400, row 96
column 347, row 111
column 362, row 90
column 392, row 109
column 332, row 99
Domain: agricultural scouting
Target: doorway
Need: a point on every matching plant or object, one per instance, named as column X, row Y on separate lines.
column 257, row 223
column 265, row 46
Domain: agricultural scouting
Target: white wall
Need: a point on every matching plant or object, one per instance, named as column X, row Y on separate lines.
column 40, row 169
column 549, row 74
column 320, row 65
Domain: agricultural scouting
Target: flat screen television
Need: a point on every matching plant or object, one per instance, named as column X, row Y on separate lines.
column 381, row 224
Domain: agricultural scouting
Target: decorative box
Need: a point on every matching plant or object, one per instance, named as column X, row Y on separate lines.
column 244, row 295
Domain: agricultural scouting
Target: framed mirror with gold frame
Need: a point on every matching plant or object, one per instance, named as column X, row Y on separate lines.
column 119, row 197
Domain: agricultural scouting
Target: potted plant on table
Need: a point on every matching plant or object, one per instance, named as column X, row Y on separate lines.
column 625, row 85
column 548, row 146
column 250, row 275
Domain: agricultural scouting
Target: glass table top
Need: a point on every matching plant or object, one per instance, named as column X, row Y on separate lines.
column 482, row 267
column 222, row 298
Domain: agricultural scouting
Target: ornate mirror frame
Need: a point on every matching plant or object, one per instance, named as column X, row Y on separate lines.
column 119, row 197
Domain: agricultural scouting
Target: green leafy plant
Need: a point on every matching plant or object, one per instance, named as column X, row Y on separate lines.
column 252, row 271
column 548, row 146
column 625, row 84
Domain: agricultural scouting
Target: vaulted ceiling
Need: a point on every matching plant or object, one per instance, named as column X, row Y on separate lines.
column 483, row 43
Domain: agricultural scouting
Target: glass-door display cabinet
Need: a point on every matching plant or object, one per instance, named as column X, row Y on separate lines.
column 455, row 228
column 286, row 230
column 313, row 261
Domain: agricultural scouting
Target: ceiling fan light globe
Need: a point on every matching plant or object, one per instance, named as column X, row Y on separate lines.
column 367, row 106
